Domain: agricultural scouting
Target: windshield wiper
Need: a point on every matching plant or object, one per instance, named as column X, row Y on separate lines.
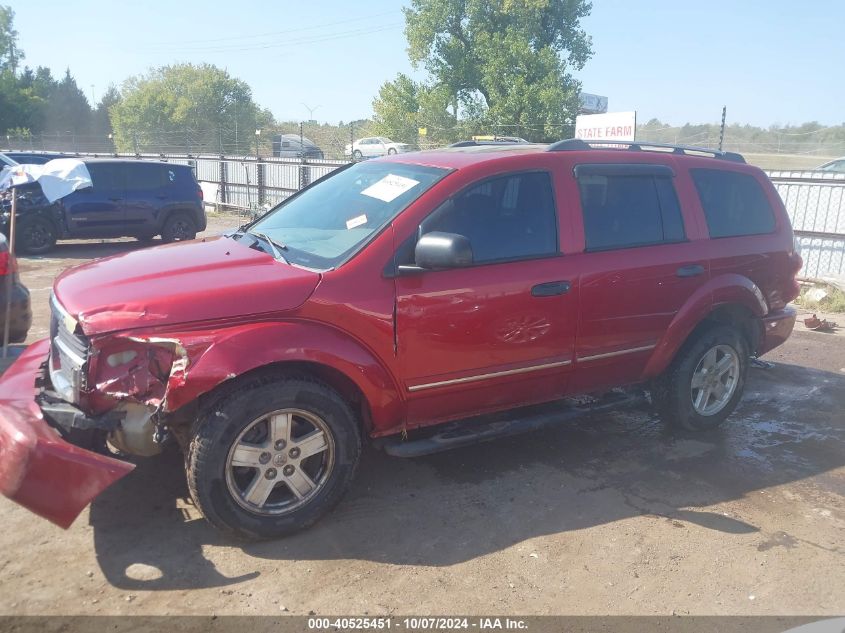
column 276, row 247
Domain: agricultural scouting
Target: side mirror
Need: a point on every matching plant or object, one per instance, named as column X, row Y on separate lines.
column 438, row 250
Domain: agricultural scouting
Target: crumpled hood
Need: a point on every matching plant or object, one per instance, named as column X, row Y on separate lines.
column 210, row 278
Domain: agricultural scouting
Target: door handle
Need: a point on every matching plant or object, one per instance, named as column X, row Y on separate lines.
column 550, row 289
column 693, row 270
column 115, row 199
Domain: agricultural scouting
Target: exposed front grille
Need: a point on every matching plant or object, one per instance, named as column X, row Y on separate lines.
column 68, row 354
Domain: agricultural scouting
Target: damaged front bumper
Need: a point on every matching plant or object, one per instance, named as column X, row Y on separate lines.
column 38, row 469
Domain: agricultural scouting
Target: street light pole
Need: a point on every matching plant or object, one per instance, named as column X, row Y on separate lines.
column 311, row 110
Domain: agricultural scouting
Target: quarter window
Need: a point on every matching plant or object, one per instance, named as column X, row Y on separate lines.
column 505, row 218
column 623, row 209
column 734, row 204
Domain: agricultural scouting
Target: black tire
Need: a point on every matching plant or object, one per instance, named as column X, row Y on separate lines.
column 673, row 393
column 35, row 235
column 178, row 227
column 357, row 155
column 391, row 151
column 220, row 427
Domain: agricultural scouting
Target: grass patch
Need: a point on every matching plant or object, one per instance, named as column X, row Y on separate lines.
column 822, row 297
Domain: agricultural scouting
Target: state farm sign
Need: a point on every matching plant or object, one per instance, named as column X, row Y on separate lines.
column 612, row 126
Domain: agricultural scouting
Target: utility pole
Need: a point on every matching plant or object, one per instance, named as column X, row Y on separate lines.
column 311, row 110
column 722, row 128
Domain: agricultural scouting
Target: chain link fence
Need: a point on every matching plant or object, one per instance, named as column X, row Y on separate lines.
column 250, row 182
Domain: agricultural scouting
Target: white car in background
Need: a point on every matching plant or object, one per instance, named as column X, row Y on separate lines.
column 375, row 146
column 836, row 166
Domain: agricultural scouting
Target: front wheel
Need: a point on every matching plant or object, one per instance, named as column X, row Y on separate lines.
column 391, row 151
column 704, row 383
column 272, row 457
column 357, row 155
column 36, row 235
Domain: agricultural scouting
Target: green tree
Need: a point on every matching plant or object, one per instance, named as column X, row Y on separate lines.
column 501, row 66
column 101, row 122
column 10, row 54
column 397, row 110
column 186, row 106
column 67, row 111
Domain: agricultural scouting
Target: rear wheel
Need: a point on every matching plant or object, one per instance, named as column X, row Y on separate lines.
column 179, row 227
column 357, row 155
column 36, row 235
column 704, row 384
column 272, row 457
column 391, row 151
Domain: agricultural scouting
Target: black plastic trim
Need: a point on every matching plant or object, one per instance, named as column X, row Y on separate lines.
column 623, row 169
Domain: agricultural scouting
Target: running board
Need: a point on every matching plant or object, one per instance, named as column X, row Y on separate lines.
column 485, row 428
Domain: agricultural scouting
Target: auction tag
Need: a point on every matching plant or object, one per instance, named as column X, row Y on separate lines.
column 390, row 187
column 361, row 219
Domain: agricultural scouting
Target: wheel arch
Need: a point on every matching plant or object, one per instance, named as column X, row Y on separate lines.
column 297, row 348
column 729, row 299
column 169, row 212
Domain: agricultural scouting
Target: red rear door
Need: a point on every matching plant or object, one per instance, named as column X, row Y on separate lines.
column 641, row 263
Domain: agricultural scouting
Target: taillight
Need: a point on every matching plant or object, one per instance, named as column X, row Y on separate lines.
column 199, row 193
column 797, row 262
column 7, row 264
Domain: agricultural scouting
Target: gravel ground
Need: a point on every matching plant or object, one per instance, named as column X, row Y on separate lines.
column 609, row 515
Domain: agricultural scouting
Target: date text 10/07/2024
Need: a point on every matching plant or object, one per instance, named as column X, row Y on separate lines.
column 416, row 624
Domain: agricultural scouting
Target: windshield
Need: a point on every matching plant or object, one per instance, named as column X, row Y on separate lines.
column 328, row 222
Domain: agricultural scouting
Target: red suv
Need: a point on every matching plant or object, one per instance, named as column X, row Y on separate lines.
column 423, row 301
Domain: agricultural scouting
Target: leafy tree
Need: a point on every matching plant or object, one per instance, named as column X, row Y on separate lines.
column 10, row 54
column 184, row 105
column 502, row 66
column 18, row 108
column 67, row 108
column 397, row 110
column 101, row 122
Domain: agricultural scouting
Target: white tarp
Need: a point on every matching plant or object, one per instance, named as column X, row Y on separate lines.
column 57, row 177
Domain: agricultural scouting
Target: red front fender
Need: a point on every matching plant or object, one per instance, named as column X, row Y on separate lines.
column 218, row 355
column 38, row 469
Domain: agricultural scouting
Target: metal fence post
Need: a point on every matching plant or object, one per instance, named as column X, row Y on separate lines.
column 261, row 179
column 224, row 170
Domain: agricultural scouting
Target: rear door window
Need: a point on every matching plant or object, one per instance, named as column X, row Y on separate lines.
column 144, row 177
column 106, row 177
column 734, row 204
column 625, row 206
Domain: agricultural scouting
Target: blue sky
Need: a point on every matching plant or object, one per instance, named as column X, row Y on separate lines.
column 770, row 62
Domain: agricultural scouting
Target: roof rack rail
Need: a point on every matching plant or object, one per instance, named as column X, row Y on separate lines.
column 576, row 144
column 498, row 140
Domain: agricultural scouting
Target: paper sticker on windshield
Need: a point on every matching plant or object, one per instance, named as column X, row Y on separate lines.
column 390, row 187
column 361, row 219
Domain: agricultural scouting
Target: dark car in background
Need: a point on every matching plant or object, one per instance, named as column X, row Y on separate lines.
column 129, row 198
column 295, row 146
column 33, row 158
column 12, row 290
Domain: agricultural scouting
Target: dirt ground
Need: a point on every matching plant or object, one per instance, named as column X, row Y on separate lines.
column 609, row 515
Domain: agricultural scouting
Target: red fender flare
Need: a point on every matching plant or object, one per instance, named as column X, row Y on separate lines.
column 719, row 291
column 219, row 355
